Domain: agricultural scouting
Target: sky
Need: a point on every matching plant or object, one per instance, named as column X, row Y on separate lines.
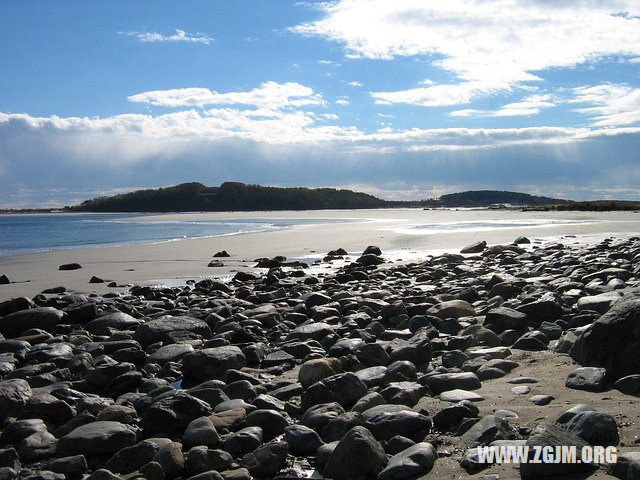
column 401, row 99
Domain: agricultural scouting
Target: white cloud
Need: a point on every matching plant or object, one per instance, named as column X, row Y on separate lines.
column 298, row 127
column 491, row 46
column 355, row 84
column 530, row 105
column 179, row 36
column 343, row 102
column 268, row 94
column 613, row 104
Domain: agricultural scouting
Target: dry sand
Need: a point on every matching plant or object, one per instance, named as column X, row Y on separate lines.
column 391, row 229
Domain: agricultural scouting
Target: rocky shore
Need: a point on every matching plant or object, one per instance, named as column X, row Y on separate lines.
column 377, row 370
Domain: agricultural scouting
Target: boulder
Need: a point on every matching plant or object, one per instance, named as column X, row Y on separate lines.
column 43, row 318
column 595, row 428
column 553, row 436
column 590, row 379
column 357, row 454
column 612, row 341
column 213, row 362
column 413, row 462
column 487, row 430
column 97, row 438
column 477, row 247
column 14, row 394
column 169, row 329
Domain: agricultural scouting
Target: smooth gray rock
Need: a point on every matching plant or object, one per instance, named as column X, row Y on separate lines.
column 451, row 381
column 267, row 460
column 97, row 438
column 551, row 435
column 595, row 428
column 210, row 363
column 14, row 394
column 43, row 318
column 358, row 454
column 413, row 462
column 407, row 423
column 590, row 379
column 169, row 329
column 201, row 431
column 612, row 341
column 302, row 440
column 487, row 430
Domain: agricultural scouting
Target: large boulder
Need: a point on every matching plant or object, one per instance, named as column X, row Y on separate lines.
column 344, row 388
column 14, row 394
column 97, row 438
column 413, row 462
column 595, row 428
column 213, row 362
column 550, row 435
column 452, row 309
column 111, row 322
column 612, row 341
column 357, row 454
column 44, row 318
column 168, row 329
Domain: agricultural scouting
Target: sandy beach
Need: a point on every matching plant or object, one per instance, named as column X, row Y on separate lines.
column 396, row 231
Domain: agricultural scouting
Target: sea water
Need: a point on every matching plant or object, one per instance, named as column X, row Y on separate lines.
column 21, row 234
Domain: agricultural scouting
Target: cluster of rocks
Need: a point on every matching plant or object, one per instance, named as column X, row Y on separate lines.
column 279, row 373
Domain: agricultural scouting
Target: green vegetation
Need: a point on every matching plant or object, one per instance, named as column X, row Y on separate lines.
column 230, row 196
column 592, row 206
column 486, row 198
column 234, row 196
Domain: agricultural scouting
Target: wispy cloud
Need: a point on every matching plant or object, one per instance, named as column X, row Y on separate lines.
column 355, row 84
column 179, row 36
column 530, row 105
column 268, row 94
column 613, row 104
column 497, row 46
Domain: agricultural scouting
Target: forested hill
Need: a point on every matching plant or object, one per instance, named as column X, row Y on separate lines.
column 238, row 197
column 485, row 198
column 231, row 196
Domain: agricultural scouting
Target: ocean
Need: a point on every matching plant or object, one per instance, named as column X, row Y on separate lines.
column 21, row 234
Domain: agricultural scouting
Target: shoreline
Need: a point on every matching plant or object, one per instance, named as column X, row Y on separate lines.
column 386, row 228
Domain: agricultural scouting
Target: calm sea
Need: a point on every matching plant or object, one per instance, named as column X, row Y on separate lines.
column 39, row 233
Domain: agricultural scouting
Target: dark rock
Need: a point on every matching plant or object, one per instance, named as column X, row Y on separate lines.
column 43, row 318
column 14, row 394
column 110, row 322
column 590, row 379
column 201, row 431
column 629, row 384
column 221, row 254
column 358, row 454
column 550, row 435
column 477, row 247
column 4, row 280
column 173, row 414
column 203, row 459
column 267, row 460
column 169, row 329
column 387, row 423
column 450, row 417
column 271, row 422
column 534, row 341
column 213, row 362
column 487, row 430
column 37, row 446
column 413, row 462
column 70, row 266
column 302, row 440
column 131, row 459
column 344, row 388
column 72, row 467
column 612, row 341
column 244, row 441
column 626, row 466
column 595, row 428
column 97, row 438
column 450, row 381
column 503, row 318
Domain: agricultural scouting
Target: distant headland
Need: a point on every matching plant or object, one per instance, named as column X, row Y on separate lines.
column 240, row 197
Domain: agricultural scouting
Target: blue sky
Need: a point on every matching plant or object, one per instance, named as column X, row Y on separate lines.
column 403, row 99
